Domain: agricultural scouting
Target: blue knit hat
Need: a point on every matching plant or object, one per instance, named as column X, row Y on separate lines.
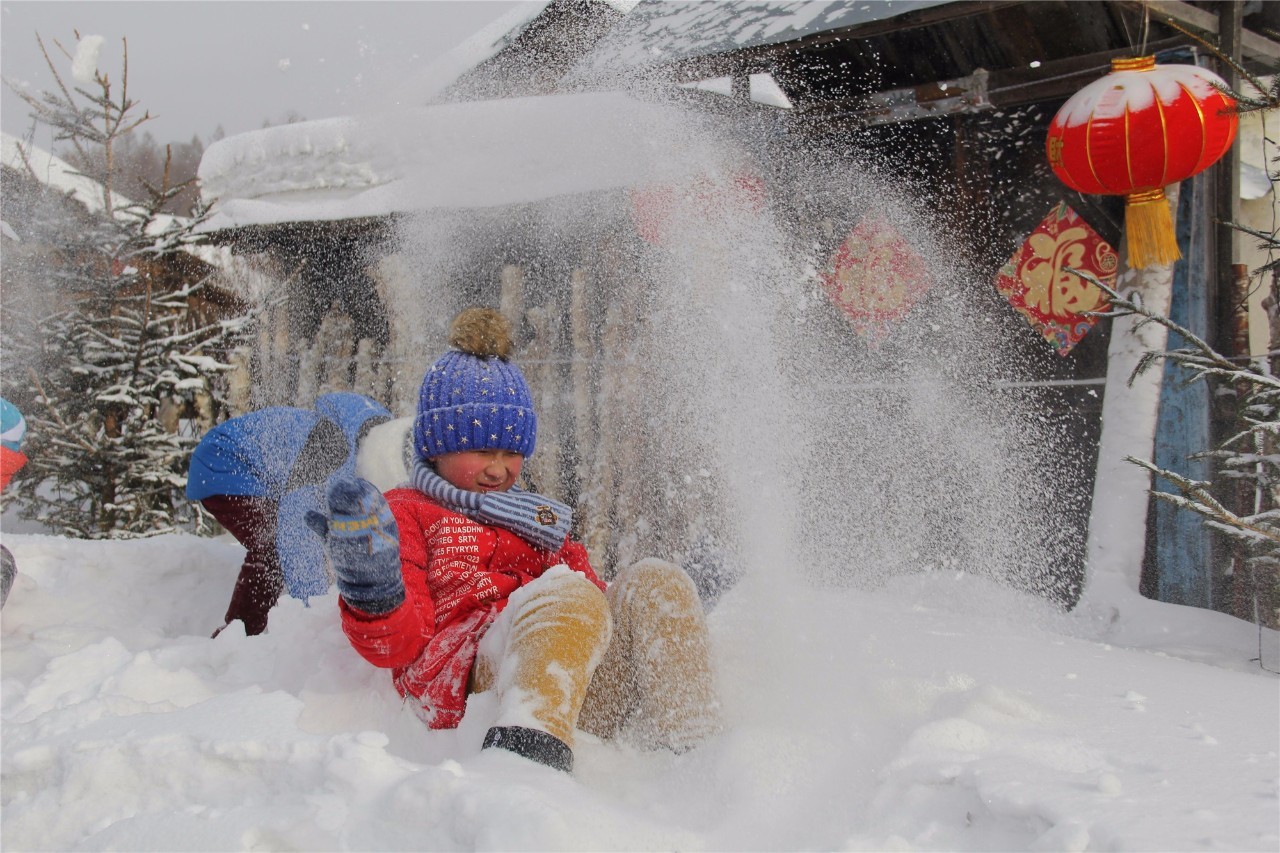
column 473, row 398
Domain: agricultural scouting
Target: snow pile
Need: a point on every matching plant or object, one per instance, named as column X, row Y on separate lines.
column 940, row 713
column 464, row 155
column 84, row 66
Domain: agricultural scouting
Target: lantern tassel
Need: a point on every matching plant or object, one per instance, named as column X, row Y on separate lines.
column 1148, row 228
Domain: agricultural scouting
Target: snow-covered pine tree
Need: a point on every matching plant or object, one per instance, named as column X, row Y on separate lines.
column 101, row 343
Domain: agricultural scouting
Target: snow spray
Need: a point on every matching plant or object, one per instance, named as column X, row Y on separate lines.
column 712, row 399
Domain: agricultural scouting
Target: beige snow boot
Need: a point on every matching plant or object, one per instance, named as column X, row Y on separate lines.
column 656, row 680
column 540, row 661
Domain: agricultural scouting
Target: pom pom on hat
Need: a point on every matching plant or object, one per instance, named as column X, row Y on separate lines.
column 473, row 398
column 481, row 332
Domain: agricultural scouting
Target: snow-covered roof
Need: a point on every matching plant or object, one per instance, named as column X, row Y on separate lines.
column 485, row 44
column 53, row 171
column 655, row 31
column 491, row 153
column 459, row 155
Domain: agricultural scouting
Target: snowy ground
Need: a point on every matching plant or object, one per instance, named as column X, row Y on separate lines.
column 938, row 714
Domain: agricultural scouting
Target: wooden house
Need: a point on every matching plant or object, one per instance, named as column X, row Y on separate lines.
column 951, row 98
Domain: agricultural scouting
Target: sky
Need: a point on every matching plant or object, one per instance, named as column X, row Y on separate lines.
column 197, row 65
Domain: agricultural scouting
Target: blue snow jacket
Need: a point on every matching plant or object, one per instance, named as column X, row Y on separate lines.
column 288, row 455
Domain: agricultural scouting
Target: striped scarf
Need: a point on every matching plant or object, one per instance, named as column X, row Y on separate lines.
column 540, row 521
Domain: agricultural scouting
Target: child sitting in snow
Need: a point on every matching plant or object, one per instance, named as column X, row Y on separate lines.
column 259, row 474
column 466, row 583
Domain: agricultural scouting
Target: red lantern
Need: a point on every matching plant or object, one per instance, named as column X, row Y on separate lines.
column 1134, row 132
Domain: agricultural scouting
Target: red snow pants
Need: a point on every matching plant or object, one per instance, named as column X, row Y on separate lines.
column 252, row 521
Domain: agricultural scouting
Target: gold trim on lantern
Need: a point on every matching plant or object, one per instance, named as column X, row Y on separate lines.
column 1133, row 63
column 1164, row 137
column 1128, row 149
column 1204, row 129
column 1145, row 197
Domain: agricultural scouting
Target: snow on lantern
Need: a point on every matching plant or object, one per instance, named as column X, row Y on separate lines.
column 1134, row 132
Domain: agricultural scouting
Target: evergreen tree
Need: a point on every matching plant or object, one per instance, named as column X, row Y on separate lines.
column 102, row 347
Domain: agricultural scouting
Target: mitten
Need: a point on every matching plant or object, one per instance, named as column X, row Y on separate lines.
column 363, row 544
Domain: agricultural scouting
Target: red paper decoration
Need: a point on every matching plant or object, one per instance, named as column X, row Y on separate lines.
column 656, row 209
column 1134, row 132
column 874, row 278
column 1052, row 300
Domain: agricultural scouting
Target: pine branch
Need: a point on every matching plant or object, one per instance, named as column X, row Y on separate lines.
column 48, row 403
column 1269, row 96
column 1197, row 498
column 1200, row 357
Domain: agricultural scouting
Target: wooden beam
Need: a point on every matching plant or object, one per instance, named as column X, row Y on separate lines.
column 1253, row 47
column 1061, row 78
column 980, row 92
column 1227, row 183
column 945, row 97
column 759, row 58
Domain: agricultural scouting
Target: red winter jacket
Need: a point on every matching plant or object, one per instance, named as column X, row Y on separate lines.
column 10, row 462
column 458, row 575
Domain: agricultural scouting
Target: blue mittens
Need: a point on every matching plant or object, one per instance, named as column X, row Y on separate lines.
column 363, row 543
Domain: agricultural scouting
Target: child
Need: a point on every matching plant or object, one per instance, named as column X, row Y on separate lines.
column 259, row 474
column 485, row 591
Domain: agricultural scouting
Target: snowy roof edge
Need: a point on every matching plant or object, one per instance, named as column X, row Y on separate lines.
column 482, row 45
column 57, row 173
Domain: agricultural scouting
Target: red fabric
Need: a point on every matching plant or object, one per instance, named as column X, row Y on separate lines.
column 874, row 278
column 1056, row 302
column 252, row 521
column 10, row 462
column 458, row 575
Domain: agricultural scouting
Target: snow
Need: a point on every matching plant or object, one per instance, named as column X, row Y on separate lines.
column 84, row 66
column 655, row 30
column 483, row 45
column 937, row 712
column 765, row 90
column 53, row 171
column 463, row 155
column 1121, row 92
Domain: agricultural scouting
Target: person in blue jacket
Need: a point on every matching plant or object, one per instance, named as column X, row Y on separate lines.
column 259, row 474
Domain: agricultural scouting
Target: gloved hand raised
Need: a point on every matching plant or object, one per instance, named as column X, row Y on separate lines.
column 361, row 537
